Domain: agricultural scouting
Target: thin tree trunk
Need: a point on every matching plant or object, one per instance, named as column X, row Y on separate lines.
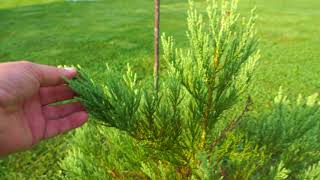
column 156, row 42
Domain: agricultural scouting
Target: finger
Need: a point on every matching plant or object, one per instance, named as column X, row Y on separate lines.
column 60, row 111
column 59, row 126
column 51, row 76
column 54, row 94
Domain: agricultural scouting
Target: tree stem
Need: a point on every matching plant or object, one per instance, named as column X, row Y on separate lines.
column 156, row 42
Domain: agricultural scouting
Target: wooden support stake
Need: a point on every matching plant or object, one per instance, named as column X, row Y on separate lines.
column 156, row 42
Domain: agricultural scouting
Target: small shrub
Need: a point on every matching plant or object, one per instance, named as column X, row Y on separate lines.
column 177, row 122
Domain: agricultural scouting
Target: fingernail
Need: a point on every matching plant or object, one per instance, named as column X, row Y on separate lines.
column 70, row 71
column 70, row 68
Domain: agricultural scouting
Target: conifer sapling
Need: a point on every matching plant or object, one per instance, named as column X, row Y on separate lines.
column 177, row 122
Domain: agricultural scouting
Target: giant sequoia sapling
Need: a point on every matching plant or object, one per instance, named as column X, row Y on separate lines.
column 177, row 120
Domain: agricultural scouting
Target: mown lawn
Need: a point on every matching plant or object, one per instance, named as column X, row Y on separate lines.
column 119, row 32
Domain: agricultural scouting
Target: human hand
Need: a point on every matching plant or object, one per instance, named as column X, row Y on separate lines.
column 26, row 116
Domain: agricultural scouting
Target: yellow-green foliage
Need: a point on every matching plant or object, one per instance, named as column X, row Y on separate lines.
column 97, row 152
column 241, row 159
column 168, row 133
column 312, row 173
column 289, row 133
column 42, row 162
column 201, row 83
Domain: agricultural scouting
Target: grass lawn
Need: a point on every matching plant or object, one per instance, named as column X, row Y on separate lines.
column 118, row 32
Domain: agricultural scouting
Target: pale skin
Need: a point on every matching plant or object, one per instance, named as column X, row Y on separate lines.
column 27, row 116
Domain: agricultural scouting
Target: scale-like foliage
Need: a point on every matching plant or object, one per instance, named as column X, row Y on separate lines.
column 176, row 122
column 289, row 133
column 312, row 173
column 174, row 131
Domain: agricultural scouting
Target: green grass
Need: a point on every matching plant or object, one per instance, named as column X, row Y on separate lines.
column 120, row 32
column 19, row 3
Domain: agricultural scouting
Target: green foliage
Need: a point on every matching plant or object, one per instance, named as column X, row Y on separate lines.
column 312, row 173
column 174, row 128
column 289, row 133
column 203, row 82
column 241, row 159
column 278, row 172
column 101, row 152
column 28, row 164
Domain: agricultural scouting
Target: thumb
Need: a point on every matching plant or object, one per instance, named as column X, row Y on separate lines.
column 52, row 76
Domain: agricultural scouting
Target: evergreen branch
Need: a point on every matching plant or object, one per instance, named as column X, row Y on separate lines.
column 232, row 124
column 203, row 81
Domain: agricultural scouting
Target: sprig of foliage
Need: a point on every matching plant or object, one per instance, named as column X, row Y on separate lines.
column 312, row 173
column 289, row 132
column 175, row 122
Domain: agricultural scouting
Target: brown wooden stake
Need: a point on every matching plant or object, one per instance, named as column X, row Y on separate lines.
column 156, row 43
